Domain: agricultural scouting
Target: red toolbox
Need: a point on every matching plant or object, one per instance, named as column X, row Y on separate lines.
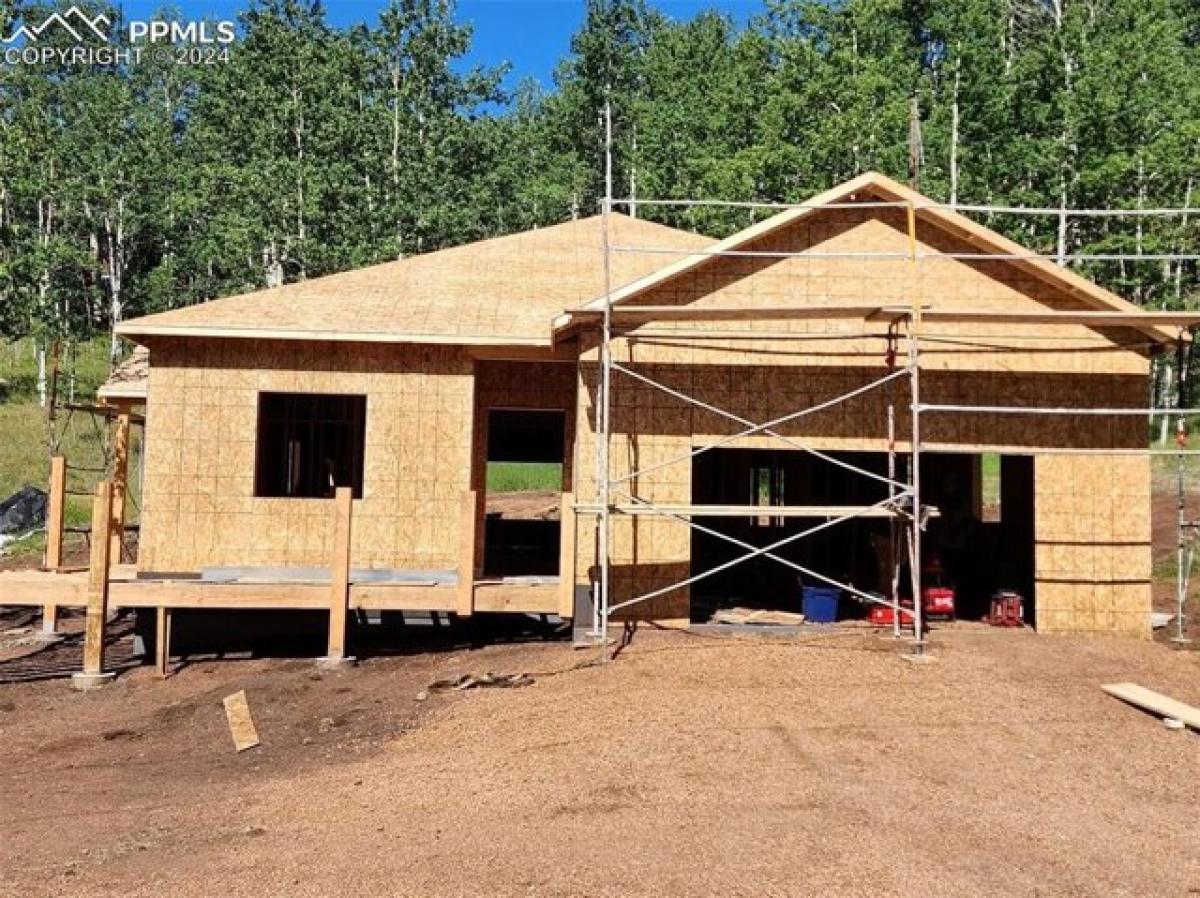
column 938, row 602
column 883, row 615
column 1008, row 609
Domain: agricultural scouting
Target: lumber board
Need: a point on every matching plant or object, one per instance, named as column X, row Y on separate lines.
column 55, row 513
column 241, row 724
column 98, row 580
column 42, row 588
column 196, row 594
column 403, row 597
column 339, row 572
column 1155, row 702
column 566, row 557
column 540, row 598
column 468, row 515
column 162, row 641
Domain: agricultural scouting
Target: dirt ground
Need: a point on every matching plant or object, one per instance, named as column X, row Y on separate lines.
column 692, row 765
column 527, row 505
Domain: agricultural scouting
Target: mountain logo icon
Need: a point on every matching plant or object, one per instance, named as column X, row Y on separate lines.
column 74, row 21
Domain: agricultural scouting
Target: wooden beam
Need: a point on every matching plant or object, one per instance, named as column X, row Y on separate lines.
column 339, row 574
column 120, row 480
column 403, row 597
column 467, row 519
column 97, row 588
column 39, row 588
column 201, row 594
column 566, row 557
column 55, row 519
column 162, row 641
column 540, row 598
column 1155, row 702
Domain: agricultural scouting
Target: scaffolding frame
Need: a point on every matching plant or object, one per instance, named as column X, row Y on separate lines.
column 903, row 506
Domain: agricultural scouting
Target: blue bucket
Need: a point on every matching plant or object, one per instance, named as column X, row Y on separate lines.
column 820, row 604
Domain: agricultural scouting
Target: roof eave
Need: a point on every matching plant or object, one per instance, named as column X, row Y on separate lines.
column 133, row 330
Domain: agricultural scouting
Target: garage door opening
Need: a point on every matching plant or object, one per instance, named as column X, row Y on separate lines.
column 980, row 541
column 525, row 453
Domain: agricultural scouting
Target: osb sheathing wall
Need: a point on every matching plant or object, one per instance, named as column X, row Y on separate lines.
column 199, row 508
column 1092, row 522
column 1101, row 585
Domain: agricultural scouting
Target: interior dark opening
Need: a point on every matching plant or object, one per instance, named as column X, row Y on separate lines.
column 309, row 444
column 525, row 453
column 977, row 544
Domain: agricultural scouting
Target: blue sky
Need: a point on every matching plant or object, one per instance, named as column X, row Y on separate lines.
column 532, row 35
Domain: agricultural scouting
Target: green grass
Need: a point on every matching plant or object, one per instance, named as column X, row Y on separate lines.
column 518, row 477
column 990, row 476
column 24, row 444
column 18, row 370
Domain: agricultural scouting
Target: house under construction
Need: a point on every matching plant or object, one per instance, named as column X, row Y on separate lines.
column 815, row 399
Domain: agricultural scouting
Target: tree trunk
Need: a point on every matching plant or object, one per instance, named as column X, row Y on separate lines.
column 954, row 112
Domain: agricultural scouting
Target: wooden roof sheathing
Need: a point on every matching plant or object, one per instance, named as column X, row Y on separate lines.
column 503, row 291
column 873, row 186
column 128, row 380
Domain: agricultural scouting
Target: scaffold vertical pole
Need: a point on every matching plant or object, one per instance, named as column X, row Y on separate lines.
column 605, row 404
column 893, row 529
column 1185, row 538
column 914, row 364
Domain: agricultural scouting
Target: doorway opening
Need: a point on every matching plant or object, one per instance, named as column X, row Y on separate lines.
column 525, row 453
column 979, row 541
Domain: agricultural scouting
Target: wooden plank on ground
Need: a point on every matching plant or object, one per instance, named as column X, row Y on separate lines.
column 1154, row 702
column 241, row 725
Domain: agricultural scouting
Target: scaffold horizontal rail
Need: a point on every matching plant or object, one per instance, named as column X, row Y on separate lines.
column 749, row 511
column 881, row 313
column 866, row 255
column 1048, row 410
column 1135, row 318
column 625, row 314
column 1052, row 211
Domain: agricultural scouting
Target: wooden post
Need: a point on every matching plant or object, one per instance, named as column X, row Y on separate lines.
column 339, row 575
column 467, row 521
column 97, row 593
column 566, row 557
column 120, row 477
column 54, row 513
column 162, row 641
column 54, row 533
